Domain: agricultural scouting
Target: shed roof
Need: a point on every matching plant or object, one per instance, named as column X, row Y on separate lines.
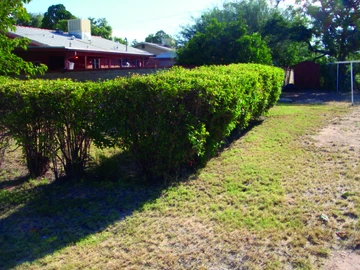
column 53, row 38
column 154, row 45
column 167, row 55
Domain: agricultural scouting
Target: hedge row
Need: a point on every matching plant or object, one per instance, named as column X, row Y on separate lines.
column 166, row 119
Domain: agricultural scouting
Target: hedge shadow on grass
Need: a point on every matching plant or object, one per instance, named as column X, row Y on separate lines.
column 14, row 182
column 64, row 213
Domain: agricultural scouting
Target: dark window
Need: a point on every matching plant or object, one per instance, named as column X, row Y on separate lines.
column 56, row 62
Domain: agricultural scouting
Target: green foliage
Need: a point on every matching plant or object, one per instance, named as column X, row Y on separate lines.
column 224, row 43
column 249, row 31
column 62, row 25
column 54, row 14
column 35, row 20
column 72, row 118
column 179, row 118
column 101, row 27
column 48, row 119
column 120, row 40
column 26, row 118
column 10, row 11
column 168, row 121
column 335, row 26
column 253, row 50
column 253, row 14
column 159, row 38
column 288, row 39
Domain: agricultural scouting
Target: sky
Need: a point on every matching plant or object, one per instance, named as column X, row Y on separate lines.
column 133, row 19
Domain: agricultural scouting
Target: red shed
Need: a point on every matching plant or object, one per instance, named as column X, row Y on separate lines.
column 307, row 75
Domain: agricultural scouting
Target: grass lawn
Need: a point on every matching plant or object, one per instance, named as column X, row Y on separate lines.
column 271, row 200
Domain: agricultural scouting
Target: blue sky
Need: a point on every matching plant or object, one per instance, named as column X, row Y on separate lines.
column 133, row 19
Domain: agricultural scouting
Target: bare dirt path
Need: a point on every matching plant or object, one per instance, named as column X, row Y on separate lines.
column 343, row 134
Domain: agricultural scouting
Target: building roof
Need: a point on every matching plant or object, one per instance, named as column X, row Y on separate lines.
column 166, row 55
column 52, row 38
column 154, row 45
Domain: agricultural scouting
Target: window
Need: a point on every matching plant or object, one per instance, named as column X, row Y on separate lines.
column 96, row 63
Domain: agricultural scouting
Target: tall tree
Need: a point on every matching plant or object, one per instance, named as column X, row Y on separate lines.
column 160, row 37
column 35, row 20
column 10, row 11
column 254, row 14
column 335, row 26
column 288, row 39
column 101, row 27
column 224, row 43
column 284, row 33
column 54, row 14
column 62, row 25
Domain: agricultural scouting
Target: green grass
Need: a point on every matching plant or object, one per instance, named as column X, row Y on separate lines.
column 256, row 205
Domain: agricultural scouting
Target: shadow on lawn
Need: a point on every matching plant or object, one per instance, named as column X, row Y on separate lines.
column 14, row 182
column 61, row 214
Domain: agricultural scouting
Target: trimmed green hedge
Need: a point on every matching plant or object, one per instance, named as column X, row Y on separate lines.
column 167, row 120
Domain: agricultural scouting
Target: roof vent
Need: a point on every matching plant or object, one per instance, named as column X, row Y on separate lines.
column 80, row 28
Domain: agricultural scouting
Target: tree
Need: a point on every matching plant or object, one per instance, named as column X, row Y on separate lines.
column 288, row 39
column 134, row 43
column 54, row 14
column 161, row 38
column 335, row 26
column 120, row 40
column 253, row 13
column 34, row 21
column 62, row 25
column 252, row 49
column 230, row 34
column 224, row 43
column 285, row 33
column 101, row 27
column 10, row 11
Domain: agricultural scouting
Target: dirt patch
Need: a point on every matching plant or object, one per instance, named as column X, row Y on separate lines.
column 344, row 260
column 342, row 135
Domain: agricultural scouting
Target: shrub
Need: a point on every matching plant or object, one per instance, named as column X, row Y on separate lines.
column 26, row 119
column 166, row 120
column 49, row 120
column 181, row 116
